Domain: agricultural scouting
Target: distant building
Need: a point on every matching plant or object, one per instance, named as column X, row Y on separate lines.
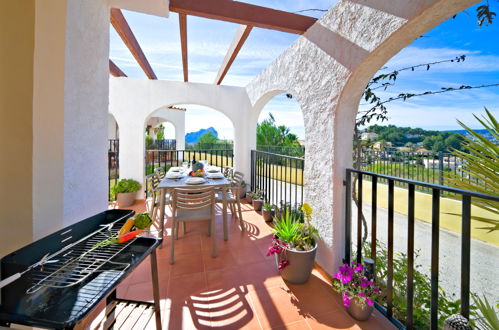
column 381, row 145
column 369, row 136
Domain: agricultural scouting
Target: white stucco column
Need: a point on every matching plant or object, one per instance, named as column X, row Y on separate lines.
column 70, row 99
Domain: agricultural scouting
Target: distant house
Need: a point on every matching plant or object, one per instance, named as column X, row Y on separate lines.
column 368, row 136
column 381, row 145
column 447, row 163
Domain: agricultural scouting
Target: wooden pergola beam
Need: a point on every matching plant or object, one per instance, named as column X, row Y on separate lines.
column 183, row 44
column 241, row 35
column 243, row 13
column 121, row 26
column 115, row 70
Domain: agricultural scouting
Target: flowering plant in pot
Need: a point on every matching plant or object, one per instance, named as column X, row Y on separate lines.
column 267, row 212
column 125, row 191
column 257, row 200
column 358, row 291
column 294, row 245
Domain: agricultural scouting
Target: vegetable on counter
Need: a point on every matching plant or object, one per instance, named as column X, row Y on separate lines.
column 126, row 227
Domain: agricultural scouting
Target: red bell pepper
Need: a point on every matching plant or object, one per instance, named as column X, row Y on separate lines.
column 128, row 236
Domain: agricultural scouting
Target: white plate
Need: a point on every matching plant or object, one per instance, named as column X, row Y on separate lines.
column 216, row 175
column 195, row 181
column 174, row 169
column 174, row 175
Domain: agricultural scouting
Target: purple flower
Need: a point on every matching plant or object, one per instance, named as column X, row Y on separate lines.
column 359, row 268
column 361, row 294
column 363, row 284
column 369, row 302
column 376, row 289
column 345, row 279
column 346, row 300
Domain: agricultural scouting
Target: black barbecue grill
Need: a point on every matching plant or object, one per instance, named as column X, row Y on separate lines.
column 59, row 279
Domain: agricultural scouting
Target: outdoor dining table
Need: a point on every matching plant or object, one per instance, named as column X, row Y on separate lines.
column 168, row 184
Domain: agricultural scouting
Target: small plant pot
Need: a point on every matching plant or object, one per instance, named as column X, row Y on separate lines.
column 257, row 204
column 359, row 311
column 125, row 199
column 300, row 264
column 242, row 193
column 249, row 198
column 267, row 215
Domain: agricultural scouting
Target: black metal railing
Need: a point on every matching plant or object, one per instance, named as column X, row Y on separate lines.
column 221, row 145
column 431, row 167
column 169, row 158
column 437, row 190
column 113, row 165
column 165, row 144
column 279, row 177
column 298, row 151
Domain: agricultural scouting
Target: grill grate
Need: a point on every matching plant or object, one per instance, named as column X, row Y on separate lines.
column 74, row 265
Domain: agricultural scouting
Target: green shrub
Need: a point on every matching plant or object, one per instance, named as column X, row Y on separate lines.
column 126, row 186
column 448, row 304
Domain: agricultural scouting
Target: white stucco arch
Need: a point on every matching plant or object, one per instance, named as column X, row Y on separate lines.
column 133, row 100
column 173, row 116
column 328, row 68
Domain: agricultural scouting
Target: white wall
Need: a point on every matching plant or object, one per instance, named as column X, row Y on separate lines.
column 133, row 100
column 112, row 128
column 70, row 107
column 177, row 119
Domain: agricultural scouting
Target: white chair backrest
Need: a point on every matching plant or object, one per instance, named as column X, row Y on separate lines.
column 193, row 199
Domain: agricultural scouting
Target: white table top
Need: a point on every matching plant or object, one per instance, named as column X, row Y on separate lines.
column 167, row 183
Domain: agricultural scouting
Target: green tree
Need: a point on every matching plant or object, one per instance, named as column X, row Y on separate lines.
column 160, row 132
column 269, row 134
column 207, row 140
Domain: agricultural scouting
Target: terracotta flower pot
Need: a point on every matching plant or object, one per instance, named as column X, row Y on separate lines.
column 267, row 215
column 358, row 310
column 249, row 198
column 300, row 264
column 257, row 204
column 125, row 199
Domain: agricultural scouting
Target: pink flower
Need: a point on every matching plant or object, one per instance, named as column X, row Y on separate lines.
column 376, row 289
column 346, row 300
column 283, row 264
column 359, row 268
column 361, row 294
column 369, row 302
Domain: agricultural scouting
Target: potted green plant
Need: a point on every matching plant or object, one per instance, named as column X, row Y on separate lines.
column 125, row 191
column 267, row 212
column 358, row 291
column 257, row 200
column 249, row 197
column 294, row 246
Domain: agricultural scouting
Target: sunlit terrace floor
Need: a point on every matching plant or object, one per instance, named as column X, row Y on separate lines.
column 241, row 288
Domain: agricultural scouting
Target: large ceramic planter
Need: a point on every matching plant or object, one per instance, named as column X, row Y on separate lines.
column 300, row 264
column 257, row 204
column 359, row 311
column 125, row 199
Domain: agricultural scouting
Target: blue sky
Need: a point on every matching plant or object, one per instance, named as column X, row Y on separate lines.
column 208, row 41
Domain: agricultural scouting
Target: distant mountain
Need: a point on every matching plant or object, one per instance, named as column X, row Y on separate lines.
column 193, row 137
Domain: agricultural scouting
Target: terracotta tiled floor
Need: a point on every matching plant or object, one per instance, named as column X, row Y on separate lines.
column 241, row 288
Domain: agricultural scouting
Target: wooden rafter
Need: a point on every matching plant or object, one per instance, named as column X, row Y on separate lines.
column 183, row 44
column 121, row 26
column 115, row 70
column 241, row 35
column 244, row 13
